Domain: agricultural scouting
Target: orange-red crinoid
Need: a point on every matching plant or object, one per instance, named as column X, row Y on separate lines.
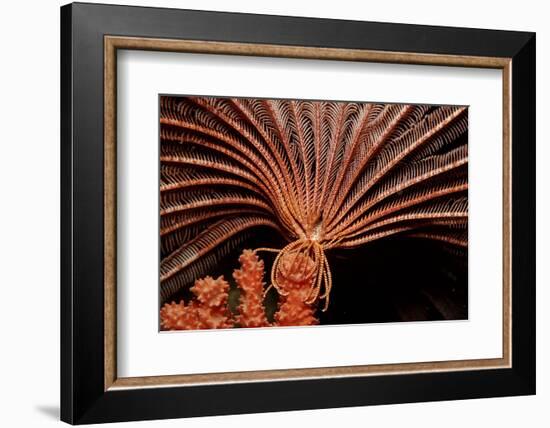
column 326, row 176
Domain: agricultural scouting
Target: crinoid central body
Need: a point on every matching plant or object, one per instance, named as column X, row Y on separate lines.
column 325, row 176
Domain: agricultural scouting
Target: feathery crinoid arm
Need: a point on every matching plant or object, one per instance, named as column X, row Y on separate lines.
column 216, row 187
column 412, row 171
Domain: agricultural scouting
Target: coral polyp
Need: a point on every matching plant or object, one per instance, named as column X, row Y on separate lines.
column 325, row 176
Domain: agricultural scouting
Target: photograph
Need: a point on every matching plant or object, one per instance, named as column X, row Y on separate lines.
column 292, row 212
column 270, row 213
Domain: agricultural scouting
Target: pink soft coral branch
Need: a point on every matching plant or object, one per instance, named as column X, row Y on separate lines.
column 209, row 308
column 249, row 279
column 295, row 280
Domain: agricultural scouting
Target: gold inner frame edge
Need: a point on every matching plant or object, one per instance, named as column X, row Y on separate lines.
column 113, row 43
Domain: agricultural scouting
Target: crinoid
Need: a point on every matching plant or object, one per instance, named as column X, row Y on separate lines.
column 327, row 176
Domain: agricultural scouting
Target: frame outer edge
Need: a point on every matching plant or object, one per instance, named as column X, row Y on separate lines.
column 524, row 215
column 66, row 226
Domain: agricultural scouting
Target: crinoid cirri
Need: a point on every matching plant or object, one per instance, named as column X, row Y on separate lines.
column 326, row 177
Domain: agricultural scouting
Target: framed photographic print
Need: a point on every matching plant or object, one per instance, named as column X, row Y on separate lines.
column 264, row 213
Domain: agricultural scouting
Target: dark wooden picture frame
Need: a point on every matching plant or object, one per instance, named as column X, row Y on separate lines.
column 90, row 389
